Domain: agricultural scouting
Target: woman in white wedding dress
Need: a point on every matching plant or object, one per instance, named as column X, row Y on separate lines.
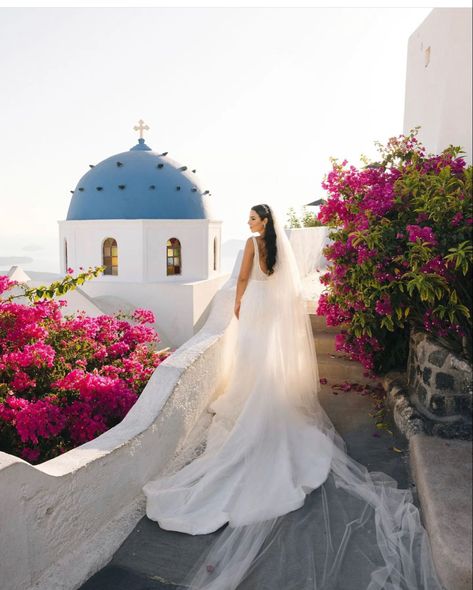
column 268, row 445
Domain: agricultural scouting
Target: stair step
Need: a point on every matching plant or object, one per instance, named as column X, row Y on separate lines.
column 324, row 342
column 320, row 325
column 338, row 369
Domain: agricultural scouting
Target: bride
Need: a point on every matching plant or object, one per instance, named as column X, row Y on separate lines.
column 265, row 464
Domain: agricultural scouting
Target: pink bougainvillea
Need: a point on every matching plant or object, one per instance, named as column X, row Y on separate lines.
column 400, row 254
column 66, row 379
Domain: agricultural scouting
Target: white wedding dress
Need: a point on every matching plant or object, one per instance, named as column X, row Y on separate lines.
column 262, row 447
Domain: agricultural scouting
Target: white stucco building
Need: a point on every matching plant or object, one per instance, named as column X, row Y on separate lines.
column 439, row 80
column 148, row 220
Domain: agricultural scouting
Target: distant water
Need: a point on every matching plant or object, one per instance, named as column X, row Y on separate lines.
column 31, row 253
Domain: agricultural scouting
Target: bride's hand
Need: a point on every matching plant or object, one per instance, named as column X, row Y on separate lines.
column 237, row 310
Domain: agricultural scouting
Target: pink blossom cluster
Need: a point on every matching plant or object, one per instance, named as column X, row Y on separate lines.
column 356, row 194
column 436, row 163
column 440, row 327
column 439, row 266
column 383, row 306
column 65, row 380
column 144, row 316
column 6, row 283
column 425, row 233
column 359, row 203
column 334, row 313
column 360, row 349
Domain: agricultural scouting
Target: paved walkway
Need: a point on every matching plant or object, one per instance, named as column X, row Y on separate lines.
column 150, row 558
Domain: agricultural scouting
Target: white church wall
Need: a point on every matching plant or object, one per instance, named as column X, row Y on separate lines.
column 70, row 514
column 178, row 307
column 214, row 257
column 85, row 240
column 141, row 247
column 439, row 80
column 193, row 235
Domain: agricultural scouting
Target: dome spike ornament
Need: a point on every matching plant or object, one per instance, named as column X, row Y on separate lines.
column 141, row 127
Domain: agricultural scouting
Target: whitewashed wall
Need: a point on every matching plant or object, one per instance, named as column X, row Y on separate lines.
column 70, row 514
column 180, row 308
column 62, row 521
column 141, row 247
column 439, row 80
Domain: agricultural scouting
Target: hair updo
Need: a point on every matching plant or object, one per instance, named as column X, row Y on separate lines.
column 269, row 236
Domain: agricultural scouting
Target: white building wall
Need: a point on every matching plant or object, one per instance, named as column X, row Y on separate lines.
column 439, row 80
column 215, row 233
column 141, row 247
column 180, row 308
column 193, row 234
column 85, row 240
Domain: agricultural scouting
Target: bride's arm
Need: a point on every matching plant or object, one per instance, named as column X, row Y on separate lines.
column 244, row 275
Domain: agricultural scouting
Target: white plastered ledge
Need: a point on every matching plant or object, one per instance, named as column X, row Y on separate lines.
column 62, row 520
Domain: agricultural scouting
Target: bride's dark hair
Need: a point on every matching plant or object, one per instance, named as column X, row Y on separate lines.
column 269, row 236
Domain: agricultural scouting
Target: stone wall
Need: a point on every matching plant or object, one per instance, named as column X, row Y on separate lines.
column 439, row 382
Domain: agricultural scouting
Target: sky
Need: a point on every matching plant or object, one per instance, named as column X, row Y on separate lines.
column 256, row 99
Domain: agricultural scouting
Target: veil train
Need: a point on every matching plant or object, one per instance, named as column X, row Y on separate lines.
column 270, row 463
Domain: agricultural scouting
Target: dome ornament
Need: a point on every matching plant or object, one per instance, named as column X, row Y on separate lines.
column 141, row 127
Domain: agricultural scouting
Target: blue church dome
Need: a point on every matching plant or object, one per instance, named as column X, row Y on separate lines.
column 139, row 184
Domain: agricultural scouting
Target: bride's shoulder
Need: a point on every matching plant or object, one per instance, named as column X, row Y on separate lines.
column 250, row 244
column 249, row 250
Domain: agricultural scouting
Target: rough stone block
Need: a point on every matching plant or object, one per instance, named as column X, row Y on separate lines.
column 437, row 357
column 437, row 405
column 444, row 381
column 422, row 394
column 427, row 372
column 462, row 405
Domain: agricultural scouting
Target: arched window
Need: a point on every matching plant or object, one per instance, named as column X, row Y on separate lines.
column 173, row 257
column 66, row 263
column 110, row 256
column 215, row 253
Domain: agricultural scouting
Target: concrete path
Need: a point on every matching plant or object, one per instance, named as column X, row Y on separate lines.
column 443, row 473
column 151, row 558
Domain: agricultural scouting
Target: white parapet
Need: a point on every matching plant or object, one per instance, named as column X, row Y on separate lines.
column 62, row 520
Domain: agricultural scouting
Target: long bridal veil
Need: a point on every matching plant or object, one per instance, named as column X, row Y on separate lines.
column 304, row 515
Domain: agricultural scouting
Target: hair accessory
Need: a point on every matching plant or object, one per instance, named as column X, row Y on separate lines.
column 266, row 208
